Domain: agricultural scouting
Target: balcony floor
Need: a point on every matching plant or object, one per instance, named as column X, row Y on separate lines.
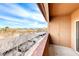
column 55, row 50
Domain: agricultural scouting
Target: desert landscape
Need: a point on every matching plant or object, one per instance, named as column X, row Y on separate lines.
column 16, row 42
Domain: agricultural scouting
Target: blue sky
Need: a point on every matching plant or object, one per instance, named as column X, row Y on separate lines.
column 21, row 15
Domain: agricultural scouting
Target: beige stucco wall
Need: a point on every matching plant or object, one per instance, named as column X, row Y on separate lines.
column 60, row 30
column 74, row 18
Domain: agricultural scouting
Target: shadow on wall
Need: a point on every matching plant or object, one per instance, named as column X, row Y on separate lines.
column 50, row 39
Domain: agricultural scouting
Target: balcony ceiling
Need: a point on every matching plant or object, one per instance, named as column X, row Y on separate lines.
column 60, row 9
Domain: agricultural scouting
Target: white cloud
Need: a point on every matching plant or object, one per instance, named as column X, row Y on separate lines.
column 16, row 10
column 37, row 25
column 37, row 16
column 15, row 19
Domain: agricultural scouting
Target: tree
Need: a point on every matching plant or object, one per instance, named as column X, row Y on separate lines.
column 6, row 28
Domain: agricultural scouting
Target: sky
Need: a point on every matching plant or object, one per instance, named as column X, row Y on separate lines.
column 21, row 15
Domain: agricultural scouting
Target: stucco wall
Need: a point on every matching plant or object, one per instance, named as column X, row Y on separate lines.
column 74, row 18
column 60, row 30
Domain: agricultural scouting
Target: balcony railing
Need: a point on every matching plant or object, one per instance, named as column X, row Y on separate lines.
column 40, row 48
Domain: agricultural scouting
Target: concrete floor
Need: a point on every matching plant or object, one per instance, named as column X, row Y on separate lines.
column 55, row 50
